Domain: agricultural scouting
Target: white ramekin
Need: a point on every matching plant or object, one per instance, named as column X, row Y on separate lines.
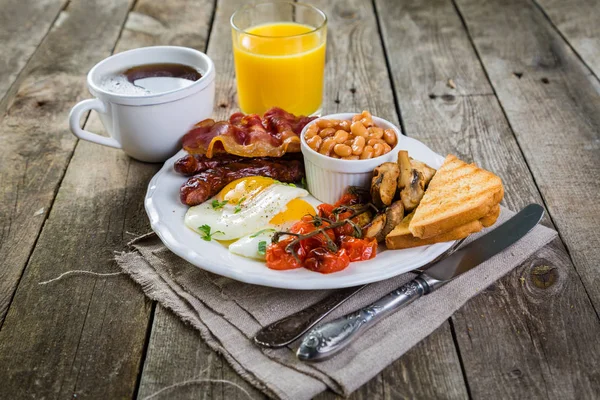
column 327, row 177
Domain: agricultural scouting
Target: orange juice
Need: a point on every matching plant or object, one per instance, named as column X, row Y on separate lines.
column 280, row 64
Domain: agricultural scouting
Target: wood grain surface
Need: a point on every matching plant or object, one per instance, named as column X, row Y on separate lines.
column 467, row 120
column 176, row 354
column 67, row 339
column 24, row 24
column 553, row 111
column 511, row 85
column 577, row 21
column 35, row 142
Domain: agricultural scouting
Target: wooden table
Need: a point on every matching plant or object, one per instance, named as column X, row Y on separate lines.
column 511, row 85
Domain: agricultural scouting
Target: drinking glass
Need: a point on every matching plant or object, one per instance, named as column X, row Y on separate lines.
column 279, row 56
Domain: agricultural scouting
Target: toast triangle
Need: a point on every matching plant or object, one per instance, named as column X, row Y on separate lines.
column 459, row 193
column 401, row 238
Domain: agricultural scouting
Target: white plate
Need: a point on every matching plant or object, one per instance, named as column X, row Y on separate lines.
column 166, row 215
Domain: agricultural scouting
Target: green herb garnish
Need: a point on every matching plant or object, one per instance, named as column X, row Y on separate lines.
column 217, row 205
column 262, row 231
column 238, row 207
column 206, row 234
column 284, row 183
column 262, row 247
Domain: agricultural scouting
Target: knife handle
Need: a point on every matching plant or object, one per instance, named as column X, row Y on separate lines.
column 327, row 339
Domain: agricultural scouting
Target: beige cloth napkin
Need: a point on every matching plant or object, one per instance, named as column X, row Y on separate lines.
column 228, row 314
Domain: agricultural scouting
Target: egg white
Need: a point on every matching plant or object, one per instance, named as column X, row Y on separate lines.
column 234, row 221
column 248, row 246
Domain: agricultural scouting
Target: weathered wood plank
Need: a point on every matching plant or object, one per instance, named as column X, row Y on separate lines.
column 23, row 25
column 427, row 46
column 187, row 357
column 353, row 82
column 170, row 338
column 357, row 78
column 553, row 110
column 84, row 337
column 34, row 341
column 35, row 142
column 577, row 20
column 536, row 314
column 403, row 380
column 173, row 22
column 81, row 336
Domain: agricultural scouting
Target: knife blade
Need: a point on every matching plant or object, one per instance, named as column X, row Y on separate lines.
column 327, row 339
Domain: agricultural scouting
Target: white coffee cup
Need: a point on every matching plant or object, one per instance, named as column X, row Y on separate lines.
column 148, row 128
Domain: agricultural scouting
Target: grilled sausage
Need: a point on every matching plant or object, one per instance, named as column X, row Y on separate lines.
column 208, row 183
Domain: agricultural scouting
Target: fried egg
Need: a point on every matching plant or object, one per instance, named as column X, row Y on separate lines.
column 249, row 208
column 254, row 245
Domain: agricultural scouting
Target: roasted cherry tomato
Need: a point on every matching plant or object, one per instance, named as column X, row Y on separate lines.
column 314, row 242
column 347, row 199
column 359, row 249
column 278, row 258
column 315, row 253
column 324, row 261
column 306, row 226
column 325, row 210
column 343, row 215
column 344, row 230
column 307, row 218
column 302, row 227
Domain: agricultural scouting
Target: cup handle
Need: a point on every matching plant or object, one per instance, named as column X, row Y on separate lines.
column 75, row 116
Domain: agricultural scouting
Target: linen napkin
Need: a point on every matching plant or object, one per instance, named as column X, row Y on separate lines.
column 229, row 313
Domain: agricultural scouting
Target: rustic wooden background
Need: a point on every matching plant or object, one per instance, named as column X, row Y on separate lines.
column 524, row 102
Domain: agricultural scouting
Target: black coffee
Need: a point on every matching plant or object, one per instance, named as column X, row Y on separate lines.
column 148, row 79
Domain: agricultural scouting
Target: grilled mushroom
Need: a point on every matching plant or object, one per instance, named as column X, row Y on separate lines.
column 384, row 184
column 412, row 194
column 424, row 169
column 385, row 222
column 411, row 181
column 373, row 228
column 393, row 216
column 364, row 218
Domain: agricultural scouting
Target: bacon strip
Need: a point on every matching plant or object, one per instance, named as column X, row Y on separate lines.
column 192, row 164
column 248, row 135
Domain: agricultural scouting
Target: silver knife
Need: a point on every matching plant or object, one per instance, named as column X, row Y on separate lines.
column 327, row 339
column 291, row 328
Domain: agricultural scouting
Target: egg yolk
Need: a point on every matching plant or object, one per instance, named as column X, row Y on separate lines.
column 244, row 188
column 296, row 209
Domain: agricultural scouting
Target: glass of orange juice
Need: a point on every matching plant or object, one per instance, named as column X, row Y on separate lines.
column 279, row 55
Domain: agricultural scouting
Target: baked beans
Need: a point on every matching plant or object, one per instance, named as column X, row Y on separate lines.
column 358, row 139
